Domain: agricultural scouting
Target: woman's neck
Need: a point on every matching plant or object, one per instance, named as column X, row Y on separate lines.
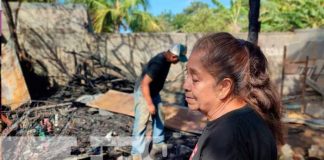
column 227, row 106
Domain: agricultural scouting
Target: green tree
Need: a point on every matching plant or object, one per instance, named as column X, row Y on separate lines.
column 235, row 18
column 170, row 22
column 36, row 1
column 165, row 20
column 277, row 15
column 204, row 20
column 111, row 15
column 194, row 7
column 180, row 20
column 201, row 18
column 141, row 21
column 197, row 17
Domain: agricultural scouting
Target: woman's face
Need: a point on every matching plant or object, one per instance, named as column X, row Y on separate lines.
column 200, row 86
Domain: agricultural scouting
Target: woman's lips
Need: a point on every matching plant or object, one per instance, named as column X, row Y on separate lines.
column 189, row 99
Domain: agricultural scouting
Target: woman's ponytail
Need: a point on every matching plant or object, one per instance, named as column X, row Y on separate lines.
column 262, row 94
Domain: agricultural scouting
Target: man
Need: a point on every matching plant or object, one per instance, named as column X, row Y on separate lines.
column 148, row 101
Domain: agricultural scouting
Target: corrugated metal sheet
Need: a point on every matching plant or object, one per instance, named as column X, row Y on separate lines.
column 176, row 117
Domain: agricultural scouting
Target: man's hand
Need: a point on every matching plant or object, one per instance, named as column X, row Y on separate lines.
column 151, row 108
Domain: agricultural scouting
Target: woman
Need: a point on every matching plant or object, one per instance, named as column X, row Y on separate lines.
column 228, row 81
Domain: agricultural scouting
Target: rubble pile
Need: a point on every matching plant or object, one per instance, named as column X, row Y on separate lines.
column 66, row 115
column 303, row 142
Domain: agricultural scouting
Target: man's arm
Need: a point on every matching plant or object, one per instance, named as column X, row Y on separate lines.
column 146, row 93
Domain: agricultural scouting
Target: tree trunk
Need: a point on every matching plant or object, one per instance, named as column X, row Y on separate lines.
column 12, row 27
column 254, row 24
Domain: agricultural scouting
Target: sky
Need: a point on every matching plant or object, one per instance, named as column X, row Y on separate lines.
column 176, row 6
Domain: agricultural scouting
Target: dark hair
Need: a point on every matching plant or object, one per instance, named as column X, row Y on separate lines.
column 244, row 63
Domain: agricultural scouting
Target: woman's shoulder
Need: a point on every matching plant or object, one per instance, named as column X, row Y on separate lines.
column 229, row 119
column 235, row 122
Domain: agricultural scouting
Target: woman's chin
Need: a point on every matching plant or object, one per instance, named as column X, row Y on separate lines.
column 192, row 107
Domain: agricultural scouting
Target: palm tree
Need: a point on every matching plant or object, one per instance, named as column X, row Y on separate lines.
column 111, row 15
column 234, row 17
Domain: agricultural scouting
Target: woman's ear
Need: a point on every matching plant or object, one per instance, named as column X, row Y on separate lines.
column 226, row 88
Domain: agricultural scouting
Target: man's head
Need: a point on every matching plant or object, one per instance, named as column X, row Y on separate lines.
column 177, row 53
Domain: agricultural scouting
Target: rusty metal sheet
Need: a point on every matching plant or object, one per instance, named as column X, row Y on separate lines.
column 114, row 101
column 181, row 118
column 176, row 117
column 14, row 91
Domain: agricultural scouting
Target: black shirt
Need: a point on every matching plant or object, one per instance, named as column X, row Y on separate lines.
column 239, row 134
column 157, row 68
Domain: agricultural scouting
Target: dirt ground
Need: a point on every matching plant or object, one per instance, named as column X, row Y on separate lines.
column 305, row 142
column 74, row 119
column 81, row 122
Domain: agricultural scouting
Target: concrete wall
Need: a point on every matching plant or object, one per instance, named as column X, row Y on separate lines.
column 50, row 33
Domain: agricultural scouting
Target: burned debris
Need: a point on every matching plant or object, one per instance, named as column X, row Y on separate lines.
column 44, row 121
column 69, row 98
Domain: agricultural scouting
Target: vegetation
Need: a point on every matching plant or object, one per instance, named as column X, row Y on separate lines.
column 278, row 15
column 131, row 15
column 275, row 15
column 111, row 15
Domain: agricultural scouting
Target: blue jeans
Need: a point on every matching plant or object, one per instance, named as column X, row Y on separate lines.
column 142, row 117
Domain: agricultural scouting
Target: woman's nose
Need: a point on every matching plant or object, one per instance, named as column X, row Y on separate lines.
column 186, row 85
